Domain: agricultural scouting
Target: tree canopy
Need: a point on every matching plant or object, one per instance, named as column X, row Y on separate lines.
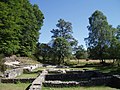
column 99, row 35
column 20, row 23
column 103, row 41
column 64, row 30
column 61, row 49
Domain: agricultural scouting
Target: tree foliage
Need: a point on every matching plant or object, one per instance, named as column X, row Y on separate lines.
column 104, row 40
column 61, row 49
column 99, row 37
column 63, row 41
column 80, row 52
column 43, row 51
column 20, row 23
column 64, row 30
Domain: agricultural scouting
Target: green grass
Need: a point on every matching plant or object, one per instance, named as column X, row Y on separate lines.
column 19, row 86
column 31, row 75
column 39, row 69
column 109, row 69
column 95, row 65
column 81, row 88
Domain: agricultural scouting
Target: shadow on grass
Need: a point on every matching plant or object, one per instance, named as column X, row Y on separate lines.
column 105, row 67
column 28, row 87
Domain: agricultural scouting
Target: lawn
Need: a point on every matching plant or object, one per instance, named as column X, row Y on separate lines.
column 19, row 86
column 81, row 88
column 31, row 75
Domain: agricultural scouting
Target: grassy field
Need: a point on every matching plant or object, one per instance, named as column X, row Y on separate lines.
column 81, row 88
column 19, row 86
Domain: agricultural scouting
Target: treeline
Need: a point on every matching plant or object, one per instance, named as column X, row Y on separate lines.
column 103, row 41
column 20, row 22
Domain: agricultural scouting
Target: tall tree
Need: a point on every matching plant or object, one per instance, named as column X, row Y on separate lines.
column 9, row 41
column 98, row 40
column 20, row 23
column 62, row 36
column 64, row 30
column 31, row 22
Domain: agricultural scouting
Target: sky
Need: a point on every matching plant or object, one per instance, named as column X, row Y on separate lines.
column 77, row 12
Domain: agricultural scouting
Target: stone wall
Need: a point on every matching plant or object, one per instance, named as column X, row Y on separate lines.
column 92, row 82
column 74, row 75
column 32, row 67
column 115, row 81
column 13, row 73
column 22, row 80
column 100, row 81
column 18, row 71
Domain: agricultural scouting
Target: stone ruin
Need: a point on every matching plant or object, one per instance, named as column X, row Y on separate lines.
column 74, row 78
column 70, row 78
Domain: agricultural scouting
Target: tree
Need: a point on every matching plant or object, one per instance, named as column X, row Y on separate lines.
column 43, row 51
column 62, row 36
column 113, row 44
column 117, row 43
column 9, row 41
column 80, row 53
column 99, row 37
column 61, row 49
column 20, row 23
column 64, row 30
column 31, row 22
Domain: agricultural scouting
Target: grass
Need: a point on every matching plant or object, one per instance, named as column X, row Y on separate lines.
column 39, row 69
column 19, row 86
column 81, row 88
column 95, row 65
column 27, row 60
column 82, row 62
column 34, row 74
column 31, row 75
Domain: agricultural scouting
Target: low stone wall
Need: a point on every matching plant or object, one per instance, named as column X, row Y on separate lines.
column 92, row 82
column 100, row 81
column 32, row 67
column 37, row 83
column 115, row 81
column 74, row 75
column 18, row 71
column 60, row 84
column 22, row 80
column 13, row 73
